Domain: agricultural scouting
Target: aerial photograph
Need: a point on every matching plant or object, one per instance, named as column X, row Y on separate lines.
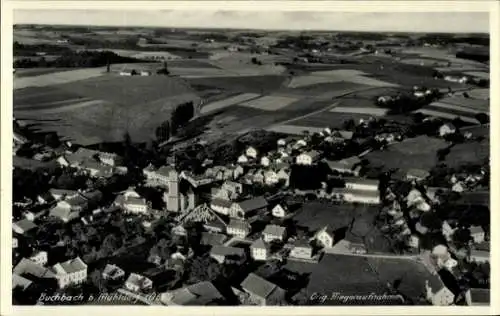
column 224, row 158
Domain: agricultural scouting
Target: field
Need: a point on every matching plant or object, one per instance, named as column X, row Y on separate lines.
column 330, row 119
column 57, row 78
column 349, row 75
column 104, row 108
column 446, row 115
column 479, row 74
column 466, row 153
column 31, row 72
column 369, row 111
column 447, row 106
column 243, row 84
column 269, row 103
column 479, row 105
column 217, row 105
column 326, row 91
column 481, row 94
column 294, row 129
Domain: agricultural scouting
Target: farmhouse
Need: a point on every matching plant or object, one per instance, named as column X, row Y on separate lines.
column 238, row 227
column 199, row 294
column 325, row 237
column 271, row 177
column 446, row 129
column 221, row 206
column 39, row 257
column 259, row 250
column 73, row 271
column 224, row 254
column 477, row 234
column 280, row 210
column 248, row 207
column 361, row 184
column 347, row 165
column 131, row 202
column 138, row 283
column 308, row 158
column 301, row 250
column 261, row 291
column 31, row 270
column 161, row 176
column 273, row 232
column 242, row 159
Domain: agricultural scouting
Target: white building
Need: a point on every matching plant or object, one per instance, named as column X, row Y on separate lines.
column 251, row 152
column 477, row 234
column 238, row 227
column 138, row 283
column 446, row 129
column 273, row 232
column 271, row 177
column 242, row 159
column 39, row 257
column 361, row 184
column 280, row 211
column 221, row 206
column 356, row 196
column 259, row 250
column 325, row 237
column 70, row 272
column 265, row 161
column 308, row 158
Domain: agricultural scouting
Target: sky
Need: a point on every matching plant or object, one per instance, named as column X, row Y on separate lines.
column 460, row 22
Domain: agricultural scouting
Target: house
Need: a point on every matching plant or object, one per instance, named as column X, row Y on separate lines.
column 479, row 256
column 477, row 233
column 39, row 257
column 235, row 189
column 242, row 159
column 458, row 79
column 96, row 169
column 199, row 294
column 477, row 297
column 347, row 165
column 262, row 292
column 225, row 254
column 325, row 237
column 59, row 194
column 458, row 187
column 356, row 195
column 361, row 184
column 265, row 161
column 30, row 269
column 23, row 226
column 128, row 72
column 238, row 171
column 138, row 283
column 33, row 215
column 446, row 129
column 15, row 243
column 83, row 155
column 20, row 282
column 145, row 73
column 238, row 227
column 215, row 224
column 73, row 271
column 417, row 174
column 131, row 202
column 413, row 241
column 447, row 230
column 259, row 250
column 221, row 206
column 437, row 293
column 308, row 158
column 271, row 177
column 273, row 232
column 301, row 250
column 281, row 142
column 258, row 176
column 45, row 198
column 212, row 239
column 280, row 210
column 112, row 272
column 65, row 214
column 284, row 175
column 161, row 176
column 251, row 152
column 248, row 207
column 179, row 230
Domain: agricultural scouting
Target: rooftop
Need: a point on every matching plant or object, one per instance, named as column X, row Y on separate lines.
column 70, row 266
column 363, row 181
column 258, row 286
column 25, row 224
column 274, row 230
column 253, row 204
column 238, row 224
column 226, row 251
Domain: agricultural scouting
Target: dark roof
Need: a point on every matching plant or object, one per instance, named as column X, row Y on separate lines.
column 258, row 286
column 221, row 203
column 226, row 251
column 253, row 204
column 238, row 224
column 480, row 295
column 212, row 239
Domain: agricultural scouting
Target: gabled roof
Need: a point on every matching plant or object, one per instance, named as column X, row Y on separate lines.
column 70, row 266
column 76, row 201
column 347, row 163
column 312, row 153
column 226, row 251
column 112, row 270
column 476, row 230
column 137, row 279
column 253, row 204
column 212, row 239
column 221, row 203
column 238, row 224
column 25, row 224
column 258, row 286
column 364, row 181
column 63, row 192
column 131, row 200
column 19, row 281
column 258, row 244
column 28, row 267
column 480, row 295
column 479, row 253
column 274, row 230
column 60, row 212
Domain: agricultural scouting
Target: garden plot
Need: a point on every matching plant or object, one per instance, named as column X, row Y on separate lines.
column 269, row 103
column 217, row 105
column 328, row 76
column 370, row 111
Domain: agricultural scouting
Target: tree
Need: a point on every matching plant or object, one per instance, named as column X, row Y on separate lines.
column 203, row 268
column 52, row 140
column 461, row 237
column 482, row 118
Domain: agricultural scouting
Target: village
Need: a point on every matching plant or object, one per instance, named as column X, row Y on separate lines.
column 244, row 233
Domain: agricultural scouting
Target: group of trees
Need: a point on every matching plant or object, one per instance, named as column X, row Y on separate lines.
column 179, row 118
column 70, row 59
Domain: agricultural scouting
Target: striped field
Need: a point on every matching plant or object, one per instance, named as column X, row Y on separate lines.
column 269, row 103
column 217, row 105
column 370, row 111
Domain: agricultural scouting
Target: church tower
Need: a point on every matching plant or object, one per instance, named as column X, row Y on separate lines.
column 172, row 194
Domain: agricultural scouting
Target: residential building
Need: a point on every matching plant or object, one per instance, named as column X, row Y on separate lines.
column 59, row 194
column 325, row 237
column 308, row 158
column 479, row 256
column 273, row 232
column 77, row 203
column 30, row 269
column 73, row 271
column 437, row 293
column 112, row 272
column 280, row 210
column 301, row 250
column 242, row 159
column 65, row 214
column 238, row 171
column 413, row 241
column 284, row 175
column 138, row 283
column 132, row 204
column 159, row 177
column 446, row 129
column 221, row 206
column 23, row 226
column 199, row 294
column 265, row 161
column 225, row 254
column 356, row 195
column 235, row 189
column 238, row 227
column 281, row 142
column 477, row 297
column 447, row 230
column 417, row 174
column 262, row 292
column 259, row 250
column 348, row 165
column 39, row 257
column 248, row 207
column 251, row 152
column 212, row 239
column 477, row 234
column 361, row 184
column 34, row 215
column 271, row 177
